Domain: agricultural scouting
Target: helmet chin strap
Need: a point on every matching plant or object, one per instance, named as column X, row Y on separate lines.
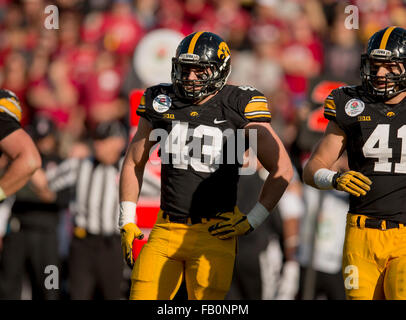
column 380, row 93
column 389, row 91
column 383, row 90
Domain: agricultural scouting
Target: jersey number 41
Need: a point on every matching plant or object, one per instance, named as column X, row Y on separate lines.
column 377, row 146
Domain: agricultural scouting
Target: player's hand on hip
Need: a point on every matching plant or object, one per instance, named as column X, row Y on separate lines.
column 129, row 232
column 233, row 224
column 353, row 182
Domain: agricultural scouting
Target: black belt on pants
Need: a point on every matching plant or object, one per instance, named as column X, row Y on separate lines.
column 183, row 219
column 377, row 223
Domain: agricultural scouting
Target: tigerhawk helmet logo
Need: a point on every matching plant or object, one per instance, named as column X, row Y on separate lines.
column 223, row 51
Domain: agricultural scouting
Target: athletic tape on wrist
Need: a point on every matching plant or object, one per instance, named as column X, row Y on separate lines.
column 257, row 215
column 127, row 213
column 323, row 179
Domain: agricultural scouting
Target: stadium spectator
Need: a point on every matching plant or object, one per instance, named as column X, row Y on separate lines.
column 122, row 31
column 230, row 20
column 145, row 13
column 260, row 66
column 15, row 79
column 302, row 58
column 341, row 50
column 172, row 16
column 102, row 89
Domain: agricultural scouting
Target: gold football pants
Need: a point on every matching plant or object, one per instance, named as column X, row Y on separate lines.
column 374, row 261
column 177, row 251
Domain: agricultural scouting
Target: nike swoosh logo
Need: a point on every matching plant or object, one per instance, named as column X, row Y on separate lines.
column 219, row 121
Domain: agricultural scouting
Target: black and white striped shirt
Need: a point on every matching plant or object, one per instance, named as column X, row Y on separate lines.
column 94, row 193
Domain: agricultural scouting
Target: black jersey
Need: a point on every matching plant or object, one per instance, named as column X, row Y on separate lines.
column 199, row 146
column 10, row 113
column 376, row 147
column 7, row 125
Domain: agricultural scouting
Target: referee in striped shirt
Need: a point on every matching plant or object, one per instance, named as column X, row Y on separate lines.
column 95, row 260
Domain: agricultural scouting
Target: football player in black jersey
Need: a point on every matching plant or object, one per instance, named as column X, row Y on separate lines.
column 369, row 121
column 21, row 152
column 194, row 237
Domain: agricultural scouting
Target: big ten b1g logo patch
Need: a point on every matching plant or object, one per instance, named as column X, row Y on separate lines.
column 168, row 116
column 351, row 277
column 223, row 52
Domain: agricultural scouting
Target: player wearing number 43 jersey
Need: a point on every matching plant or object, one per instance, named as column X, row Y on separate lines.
column 196, row 121
column 369, row 121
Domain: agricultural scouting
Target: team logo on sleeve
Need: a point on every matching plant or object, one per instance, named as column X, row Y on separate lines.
column 354, row 107
column 161, row 103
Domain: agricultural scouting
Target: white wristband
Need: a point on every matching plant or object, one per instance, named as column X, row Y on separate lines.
column 127, row 213
column 323, row 179
column 2, row 194
column 257, row 215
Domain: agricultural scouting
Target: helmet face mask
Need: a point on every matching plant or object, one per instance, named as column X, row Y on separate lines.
column 383, row 86
column 208, row 62
column 194, row 89
column 387, row 50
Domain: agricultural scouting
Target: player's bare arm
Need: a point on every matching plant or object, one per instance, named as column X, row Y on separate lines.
column 326, row 153
column 130, row 187
column 24, row 160
column 274, row 158
column 134, row 163
column 318, row 174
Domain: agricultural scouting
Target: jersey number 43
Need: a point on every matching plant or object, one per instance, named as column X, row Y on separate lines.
column 189, row 146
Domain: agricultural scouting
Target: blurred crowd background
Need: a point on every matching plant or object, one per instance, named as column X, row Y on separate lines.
column 83, row 73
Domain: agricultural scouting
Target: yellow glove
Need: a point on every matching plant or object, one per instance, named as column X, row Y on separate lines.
column 129, row 232
column 79, row 232
column 352, row 182
column 2, row 195
column 234, row 224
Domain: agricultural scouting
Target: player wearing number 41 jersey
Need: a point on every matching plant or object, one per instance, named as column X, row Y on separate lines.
column 196, row 121
column 369, row 121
